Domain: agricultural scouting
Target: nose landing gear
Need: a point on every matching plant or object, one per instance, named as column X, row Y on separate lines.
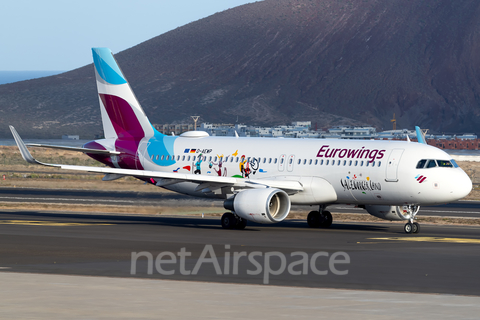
column 412, row 227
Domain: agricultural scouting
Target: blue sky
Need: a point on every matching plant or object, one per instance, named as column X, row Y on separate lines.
column 58, row 34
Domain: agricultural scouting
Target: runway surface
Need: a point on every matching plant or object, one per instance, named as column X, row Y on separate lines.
column 470, row 209
column 441, row 259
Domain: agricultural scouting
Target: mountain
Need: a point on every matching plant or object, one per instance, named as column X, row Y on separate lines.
column 276, row 61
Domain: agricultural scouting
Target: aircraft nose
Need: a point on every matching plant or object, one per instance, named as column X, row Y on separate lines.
column 463, row 186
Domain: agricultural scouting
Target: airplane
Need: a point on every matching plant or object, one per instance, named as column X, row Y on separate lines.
column 260, row 178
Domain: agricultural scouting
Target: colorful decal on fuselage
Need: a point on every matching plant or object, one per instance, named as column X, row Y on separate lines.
column 420, row 178
column 362, row 185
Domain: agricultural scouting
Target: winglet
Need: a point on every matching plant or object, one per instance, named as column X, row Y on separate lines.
column 420, row 136
column 26, row 155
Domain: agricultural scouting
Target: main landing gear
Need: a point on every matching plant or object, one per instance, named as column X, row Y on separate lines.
column 320, row 219
column 410, row 226
column 232, row 221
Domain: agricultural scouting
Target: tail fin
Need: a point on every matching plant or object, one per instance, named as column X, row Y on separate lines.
column 122, row 115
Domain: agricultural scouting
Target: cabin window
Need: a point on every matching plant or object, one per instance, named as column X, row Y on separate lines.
column 431, row 164
column 421, row 164
column 264, row 160
column 368, row 163
column 236, row 160
column 321, row 162
column 210, row 159
column 344, row 162
column 291, row 160
column 162, row 157
column 270, row 160
column 183, row 158
column 310, row 162
column 305, row 161
column 299, row 161
column 152, row 156
column 275, row 160
column 373, row 164
column 326, row 163
column 379, row 163
column 350, row 163
column 231, row 159
column 316, row 161
column 193, row 158
column 215, row 160
column 168, row 158
column 361, row 163
column 248, row 159
column 333, row 162
column 356, row 163
column 156, row 158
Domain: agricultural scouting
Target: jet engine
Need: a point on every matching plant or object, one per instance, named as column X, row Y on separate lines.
column 260, row 205
column 392, row 213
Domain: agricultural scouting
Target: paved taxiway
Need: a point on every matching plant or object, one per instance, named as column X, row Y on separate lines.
column 470, row 209
column 441, row 259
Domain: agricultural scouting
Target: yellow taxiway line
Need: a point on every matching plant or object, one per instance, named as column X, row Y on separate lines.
column 431, row 239
column 50, row 223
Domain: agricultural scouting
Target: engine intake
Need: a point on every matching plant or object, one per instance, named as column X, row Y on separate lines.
column 260, row 205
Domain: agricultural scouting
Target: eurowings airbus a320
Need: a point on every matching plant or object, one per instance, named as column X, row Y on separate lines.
column 260, row 178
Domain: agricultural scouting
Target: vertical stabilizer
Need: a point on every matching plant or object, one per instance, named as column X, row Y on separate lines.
column 122, row 115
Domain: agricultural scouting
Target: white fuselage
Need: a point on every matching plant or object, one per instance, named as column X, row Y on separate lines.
column 360, row 172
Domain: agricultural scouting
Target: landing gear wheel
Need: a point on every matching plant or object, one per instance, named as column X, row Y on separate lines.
column 229, row 221
column 408, row 227
column 316, row 219
column 313, row 219
column 326, row 219
column 415, row 227
column 241, row 224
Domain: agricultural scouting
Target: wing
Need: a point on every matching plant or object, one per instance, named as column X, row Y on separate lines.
column 86, row 150
column 206, row 184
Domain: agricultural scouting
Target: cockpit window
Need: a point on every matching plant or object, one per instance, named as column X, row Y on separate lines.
column 421, row 164
column 431, row 164
column 444, row 163
column 455, row 165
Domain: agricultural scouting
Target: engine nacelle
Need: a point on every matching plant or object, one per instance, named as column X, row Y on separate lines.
column 260, row 205
column 392, row 213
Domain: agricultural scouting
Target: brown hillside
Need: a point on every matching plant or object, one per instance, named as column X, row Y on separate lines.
column 329, row 61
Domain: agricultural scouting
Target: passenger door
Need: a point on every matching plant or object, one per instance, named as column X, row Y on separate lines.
column 392, row 165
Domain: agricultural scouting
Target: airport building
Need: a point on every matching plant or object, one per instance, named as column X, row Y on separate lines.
column 303, row 129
